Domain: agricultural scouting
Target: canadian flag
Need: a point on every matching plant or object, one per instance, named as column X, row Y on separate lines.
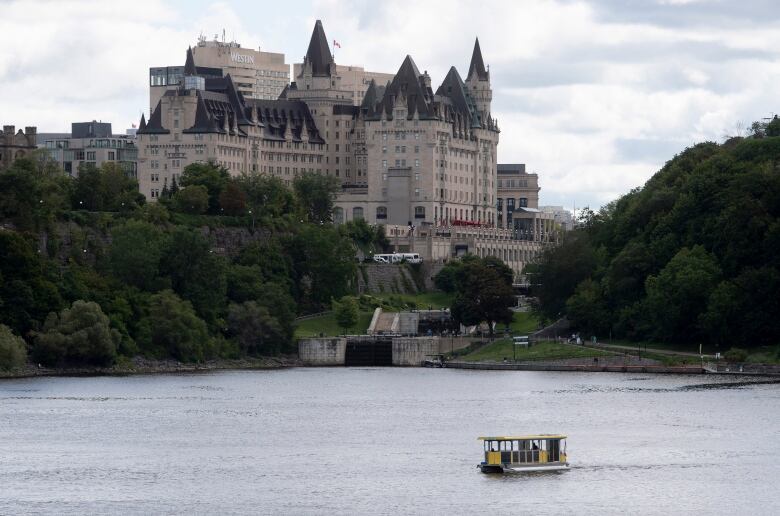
column 336, row 44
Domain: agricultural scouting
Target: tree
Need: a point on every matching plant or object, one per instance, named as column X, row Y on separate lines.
column 77, row 335
column 196, row 274
column 587, row 309
column 483, row 294
column 13, row 350
column 33, row 191
column 255, row 329
column 267, row 196
column 324, row 265
column 192, row 199
column 172, row 329
column 136, row 248
column 679, row 294
column 214, row 178
column 27, row 294
column 232, row 200
column 346, row 312
column 316, row 194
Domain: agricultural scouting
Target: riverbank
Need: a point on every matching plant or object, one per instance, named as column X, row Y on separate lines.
column 140, row 366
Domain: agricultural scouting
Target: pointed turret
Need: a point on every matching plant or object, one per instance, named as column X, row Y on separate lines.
column 318, row 54
column 478, row 83
column 477, row 66
column 142, row 125
column 189, row 64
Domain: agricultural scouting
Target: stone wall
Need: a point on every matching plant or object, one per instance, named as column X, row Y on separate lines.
column 411, row 351
column 379, row 278
column 322, row 351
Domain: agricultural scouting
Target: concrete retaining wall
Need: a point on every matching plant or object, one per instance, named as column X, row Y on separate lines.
column 322, row 351
column 411, row 351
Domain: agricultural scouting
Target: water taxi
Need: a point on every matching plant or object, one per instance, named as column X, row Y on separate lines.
column 544, row 452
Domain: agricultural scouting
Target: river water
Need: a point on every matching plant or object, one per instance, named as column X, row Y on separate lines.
column 385, row 441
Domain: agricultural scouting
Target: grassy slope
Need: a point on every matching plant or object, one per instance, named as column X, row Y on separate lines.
column 326, row 324
column 423, row 300
column 499, row 349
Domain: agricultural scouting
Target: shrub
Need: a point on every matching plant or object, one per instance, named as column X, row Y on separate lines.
column 172, row 329
column 735, row 355
column 77, row 335
column 13, row 351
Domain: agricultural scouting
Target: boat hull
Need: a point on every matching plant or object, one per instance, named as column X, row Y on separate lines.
column 516, row 468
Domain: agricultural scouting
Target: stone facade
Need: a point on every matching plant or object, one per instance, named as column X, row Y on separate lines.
column 207, row 120
column 14, row 145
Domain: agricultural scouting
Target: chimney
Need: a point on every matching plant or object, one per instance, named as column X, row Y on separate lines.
column 30, row 131
column 8, row 129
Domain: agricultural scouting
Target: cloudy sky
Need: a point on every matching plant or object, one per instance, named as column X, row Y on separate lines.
column 594, row 95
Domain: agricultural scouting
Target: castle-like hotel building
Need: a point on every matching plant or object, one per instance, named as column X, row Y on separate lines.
column 405, row 154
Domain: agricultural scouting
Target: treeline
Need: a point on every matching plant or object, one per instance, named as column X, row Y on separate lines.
column 157, row 288
column 692, row 257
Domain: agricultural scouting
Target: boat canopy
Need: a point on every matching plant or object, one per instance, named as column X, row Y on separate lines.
column 523, row 437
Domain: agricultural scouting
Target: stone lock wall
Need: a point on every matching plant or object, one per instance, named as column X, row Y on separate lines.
column 322, row 351
column 411, row 351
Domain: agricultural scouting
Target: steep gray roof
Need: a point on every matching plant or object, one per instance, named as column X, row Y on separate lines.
column 477, row 66
column 154, row 126
column 318, row 53
column 455, row 89
column 408, row 83
column 189, row 63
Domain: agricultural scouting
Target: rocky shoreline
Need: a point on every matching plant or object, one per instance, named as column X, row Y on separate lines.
column 141, row 365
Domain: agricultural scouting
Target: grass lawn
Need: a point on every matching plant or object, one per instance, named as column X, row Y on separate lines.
column 423, row 300
column 326, row 324
column 542, row 351
column 523, row 323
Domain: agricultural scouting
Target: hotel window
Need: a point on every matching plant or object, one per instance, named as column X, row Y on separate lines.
column 419, row 212
column 381, row 212
column 417, row 163
column 357, row 213
column 417, row 192
column 91, row 155
column 384, row 163
column 416, row 176
column 522, row 202
column 111, row 155
column 384, row 149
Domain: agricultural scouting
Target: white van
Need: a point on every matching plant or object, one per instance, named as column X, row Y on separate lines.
column 411, row 257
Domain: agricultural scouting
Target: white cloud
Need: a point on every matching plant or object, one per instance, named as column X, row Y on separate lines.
column 594, row 104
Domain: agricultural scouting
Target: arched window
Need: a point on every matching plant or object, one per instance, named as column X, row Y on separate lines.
column 338, row 215
column 357, row 213
column 381, row 212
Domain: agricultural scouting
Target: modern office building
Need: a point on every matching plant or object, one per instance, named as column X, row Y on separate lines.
column 517, row 203
column 255, row 73
column 14, row 145
column 92, row 143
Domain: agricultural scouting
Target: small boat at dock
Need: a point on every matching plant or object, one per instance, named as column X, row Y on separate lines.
column 524, row 453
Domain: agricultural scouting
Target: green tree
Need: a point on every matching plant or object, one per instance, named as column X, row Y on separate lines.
column 316, row 194
column 214, row 178
column 483, row 294
column 136, row 249
column 679, row 294
column 172, row 329
column 267, row 196
column 232, row 200
column 323, row 265
column 346, row 311
column 195, row 272
column 77, row 335
column 192, row 199
column 587, row 309
column 27, row 294
column 13, row 350
column 33, row 191
column 256, row 331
